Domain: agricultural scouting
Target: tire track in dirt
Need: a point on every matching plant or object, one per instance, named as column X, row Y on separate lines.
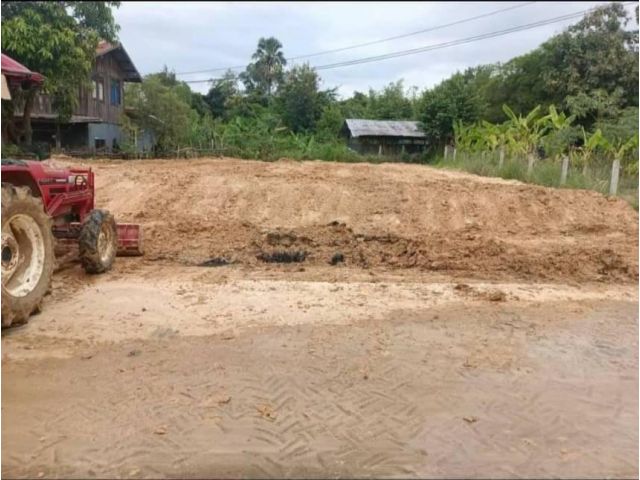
column 449, row 392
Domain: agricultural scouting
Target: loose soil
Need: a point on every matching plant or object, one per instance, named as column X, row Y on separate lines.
column 391, row 216
column 423, row 324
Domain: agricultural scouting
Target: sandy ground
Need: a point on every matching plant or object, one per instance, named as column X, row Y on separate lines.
column 390, row 215
column 476, row 328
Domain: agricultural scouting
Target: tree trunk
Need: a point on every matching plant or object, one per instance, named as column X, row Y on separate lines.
column 26, row 116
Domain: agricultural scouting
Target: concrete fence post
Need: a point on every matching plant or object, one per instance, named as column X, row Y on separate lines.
column 455, row 151
column 446, row 152
column 380, row 150
column 615, row 176
column 531, row 157
column 565, row 170
column 501, row 161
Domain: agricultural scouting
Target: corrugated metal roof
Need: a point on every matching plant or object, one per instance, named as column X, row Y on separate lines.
column 13, row 69
column 384, row 128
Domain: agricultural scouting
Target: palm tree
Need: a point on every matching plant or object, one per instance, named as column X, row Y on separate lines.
column 269, row 63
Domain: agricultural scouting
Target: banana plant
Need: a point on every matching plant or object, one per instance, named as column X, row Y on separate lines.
column 525, row 132
column 555, row 141
column 492, row 135
column 591, row 144
column 619, row 152
column 464, row 136
column 458, row 133
column 559, row 121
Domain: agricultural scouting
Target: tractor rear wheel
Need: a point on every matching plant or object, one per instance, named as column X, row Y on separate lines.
column 98, row 241
column 27, row 254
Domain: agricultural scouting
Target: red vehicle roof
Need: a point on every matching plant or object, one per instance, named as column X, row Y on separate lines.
column 15, row 70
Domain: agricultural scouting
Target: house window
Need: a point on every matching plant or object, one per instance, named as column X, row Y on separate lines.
column 116, row 92
column 98, row 90
column 99, row 143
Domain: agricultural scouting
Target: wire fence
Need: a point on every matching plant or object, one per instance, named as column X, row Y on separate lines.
column 602, row 175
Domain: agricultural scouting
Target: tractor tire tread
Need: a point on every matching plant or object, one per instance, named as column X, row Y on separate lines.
column 19, row 199
column 90, row 256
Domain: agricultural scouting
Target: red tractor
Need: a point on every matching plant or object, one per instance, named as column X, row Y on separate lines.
column 40, row 204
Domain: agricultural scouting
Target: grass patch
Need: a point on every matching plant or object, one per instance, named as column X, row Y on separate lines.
column 545, row 172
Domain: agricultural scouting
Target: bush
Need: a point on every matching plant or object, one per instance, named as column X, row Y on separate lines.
column 37, row 151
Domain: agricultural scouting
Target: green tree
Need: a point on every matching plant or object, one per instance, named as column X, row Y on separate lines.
column 622, row 127
column 596, row 53
column 163, row 110
column 357, row 106
column 300, row 101
column 220, row 96
column 391, row 103
column 330, row 122
column 168, row 78
column 266, row 72
column 591, row 65
column 59, row 40
column 595, row 106
column 450, row 101
column 591, row 69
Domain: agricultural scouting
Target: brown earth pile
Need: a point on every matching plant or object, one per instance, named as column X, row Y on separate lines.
column 371, row 216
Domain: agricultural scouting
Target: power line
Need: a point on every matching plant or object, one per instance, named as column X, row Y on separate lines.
column 452, row 43
column 200, row 81
column 374, row 42
column 460, row 41
column 439, row 27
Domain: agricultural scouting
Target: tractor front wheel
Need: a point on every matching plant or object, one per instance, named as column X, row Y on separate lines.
column 98, row 241
column 27, row 254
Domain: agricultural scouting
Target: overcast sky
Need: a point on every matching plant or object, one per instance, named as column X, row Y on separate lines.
column 190, row 36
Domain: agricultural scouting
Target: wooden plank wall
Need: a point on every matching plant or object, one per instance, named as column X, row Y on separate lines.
column 105, row 69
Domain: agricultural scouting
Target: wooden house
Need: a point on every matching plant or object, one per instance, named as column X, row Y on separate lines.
column 95, row 123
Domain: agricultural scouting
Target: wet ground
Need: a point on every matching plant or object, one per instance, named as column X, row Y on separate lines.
column 212, row 373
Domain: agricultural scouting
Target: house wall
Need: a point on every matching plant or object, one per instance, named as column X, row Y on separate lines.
column 105, row 70
column 109, row 132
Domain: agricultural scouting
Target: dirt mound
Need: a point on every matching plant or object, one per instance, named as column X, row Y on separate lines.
column 389, row 215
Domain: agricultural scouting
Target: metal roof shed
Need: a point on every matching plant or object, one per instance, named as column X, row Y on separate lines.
column 388, row 137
